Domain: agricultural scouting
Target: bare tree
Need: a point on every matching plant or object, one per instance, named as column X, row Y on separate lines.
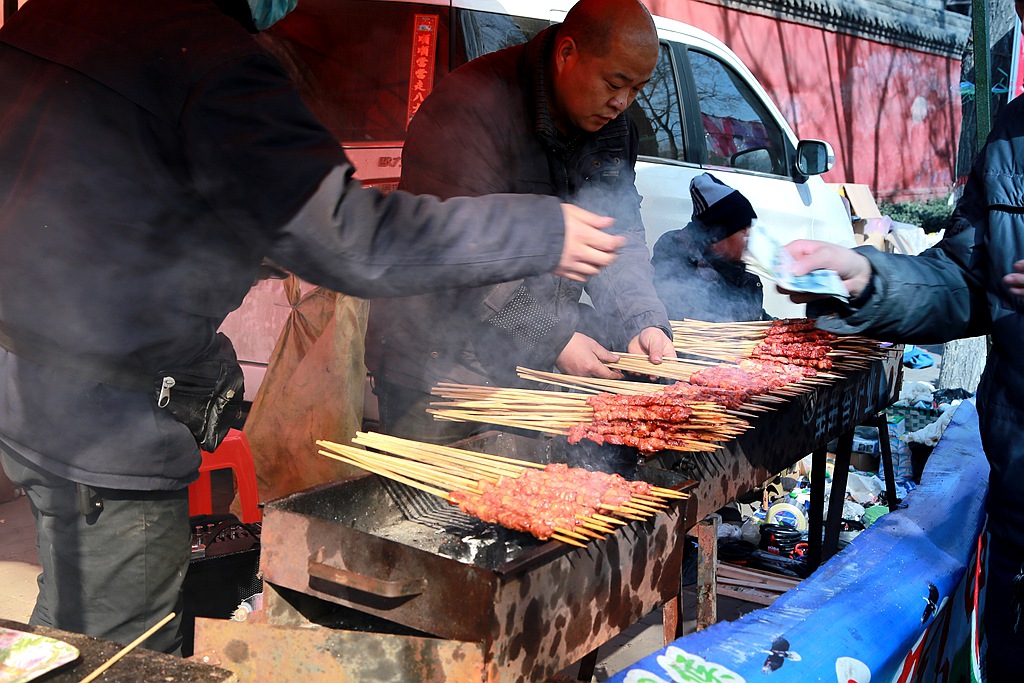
column 962, row 363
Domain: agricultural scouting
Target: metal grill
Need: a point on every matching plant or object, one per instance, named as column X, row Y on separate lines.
column 429, row 510
column 462, row 537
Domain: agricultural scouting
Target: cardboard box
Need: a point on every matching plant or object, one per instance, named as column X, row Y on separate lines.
column 864, row 462
column 862, row 202
column 869, row 225
column 872, row 239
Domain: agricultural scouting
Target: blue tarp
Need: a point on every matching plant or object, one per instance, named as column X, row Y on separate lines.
column 898, row 604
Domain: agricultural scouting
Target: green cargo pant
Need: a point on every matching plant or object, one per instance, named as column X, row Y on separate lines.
column 111, row 573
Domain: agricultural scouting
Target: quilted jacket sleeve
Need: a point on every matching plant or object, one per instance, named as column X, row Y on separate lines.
column 926, row 299
column 265, row 164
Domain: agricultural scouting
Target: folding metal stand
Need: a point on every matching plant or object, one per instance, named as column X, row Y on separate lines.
column 821, row 547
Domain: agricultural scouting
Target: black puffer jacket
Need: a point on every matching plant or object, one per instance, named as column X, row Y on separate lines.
column 486, row 128
column 150, row 154
column 955, row 290
column 694, row 282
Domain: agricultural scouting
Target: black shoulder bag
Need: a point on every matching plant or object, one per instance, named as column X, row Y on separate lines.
column 206, row 395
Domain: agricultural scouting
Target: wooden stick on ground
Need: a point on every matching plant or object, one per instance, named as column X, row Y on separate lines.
column 127, row 648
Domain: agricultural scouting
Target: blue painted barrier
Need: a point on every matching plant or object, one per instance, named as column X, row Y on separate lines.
column 898, row 604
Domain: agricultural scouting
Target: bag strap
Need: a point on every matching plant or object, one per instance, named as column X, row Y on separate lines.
column 41, row 351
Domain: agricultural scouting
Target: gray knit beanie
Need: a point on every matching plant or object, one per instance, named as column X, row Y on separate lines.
column 721, row 209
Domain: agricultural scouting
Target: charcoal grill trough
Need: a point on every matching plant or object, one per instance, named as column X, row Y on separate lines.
column 390, row 578
column 364, row 582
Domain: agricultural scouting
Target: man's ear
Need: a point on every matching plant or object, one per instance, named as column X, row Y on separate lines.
column 565, row 50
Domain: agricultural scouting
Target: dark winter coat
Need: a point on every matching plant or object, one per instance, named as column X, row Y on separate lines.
column 694, row 282
column 955, row 290
column 486, row 128
column 151, row 154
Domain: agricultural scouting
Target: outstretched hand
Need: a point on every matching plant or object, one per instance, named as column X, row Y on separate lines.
column 853, row 268
column 587, row 247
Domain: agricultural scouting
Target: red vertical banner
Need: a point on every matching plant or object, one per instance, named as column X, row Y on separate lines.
column 421, row 64
column 1016, row 61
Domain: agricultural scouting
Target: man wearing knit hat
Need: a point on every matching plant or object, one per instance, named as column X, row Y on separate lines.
column 698, row 271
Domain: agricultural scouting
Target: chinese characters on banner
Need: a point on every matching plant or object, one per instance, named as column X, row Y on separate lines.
column 1016, row 73
column 421, row 64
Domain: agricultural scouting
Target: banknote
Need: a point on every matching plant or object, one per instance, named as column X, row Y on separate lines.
column 766, row 257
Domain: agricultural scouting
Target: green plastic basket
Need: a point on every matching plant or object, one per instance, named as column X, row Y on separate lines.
column 913, row 418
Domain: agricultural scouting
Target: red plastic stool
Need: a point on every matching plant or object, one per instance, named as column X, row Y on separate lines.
column 233, row 453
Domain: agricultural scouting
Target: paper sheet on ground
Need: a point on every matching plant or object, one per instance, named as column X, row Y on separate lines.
column 767, row 258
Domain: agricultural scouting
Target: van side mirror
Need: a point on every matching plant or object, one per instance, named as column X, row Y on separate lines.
column 814, row 157
column 756, row 159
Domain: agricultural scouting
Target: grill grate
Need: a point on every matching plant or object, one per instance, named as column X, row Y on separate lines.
column 459, row 536
column 429, row 510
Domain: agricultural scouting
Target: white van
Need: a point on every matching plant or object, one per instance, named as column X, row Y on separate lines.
column 364, row 65
column 702, row 111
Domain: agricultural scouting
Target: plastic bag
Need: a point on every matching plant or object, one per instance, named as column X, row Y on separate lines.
column 930, row 434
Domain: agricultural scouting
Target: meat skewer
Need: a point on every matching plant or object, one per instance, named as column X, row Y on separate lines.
column 571, row 505
column 666, row 418
column 783, row 340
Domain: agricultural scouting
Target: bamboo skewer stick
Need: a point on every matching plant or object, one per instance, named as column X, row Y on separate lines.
column 392, row 475
column 639, row 510
column 624, row 387
column 457, row 417
column 588, row 533
column 454, row 461
column 624, row 513
column 429, row 466
column 127, row 648
column 647, row 504
column 708, row 418
column 735, row 341
column 512, row 465
column 442, row 450
column 590, row 384
column 568, row 541
column 607, row 519
column 426, row 473
column 570, row 533
column 595, row 524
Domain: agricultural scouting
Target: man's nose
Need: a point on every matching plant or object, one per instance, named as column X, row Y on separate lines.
column 619, row 102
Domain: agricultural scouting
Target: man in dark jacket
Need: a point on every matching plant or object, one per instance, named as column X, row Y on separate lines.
column 971, row 283
column 698, row 270
column 545, row 116
column 151, row 154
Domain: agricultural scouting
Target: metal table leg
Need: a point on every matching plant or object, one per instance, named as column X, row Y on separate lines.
column 840, row 475
column 587, row 666
column 816, row 514
column 672, row 619
column 707, row 574
column 882, row 424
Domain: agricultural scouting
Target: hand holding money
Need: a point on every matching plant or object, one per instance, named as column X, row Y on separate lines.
column 852, row 267
column 808, row 269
